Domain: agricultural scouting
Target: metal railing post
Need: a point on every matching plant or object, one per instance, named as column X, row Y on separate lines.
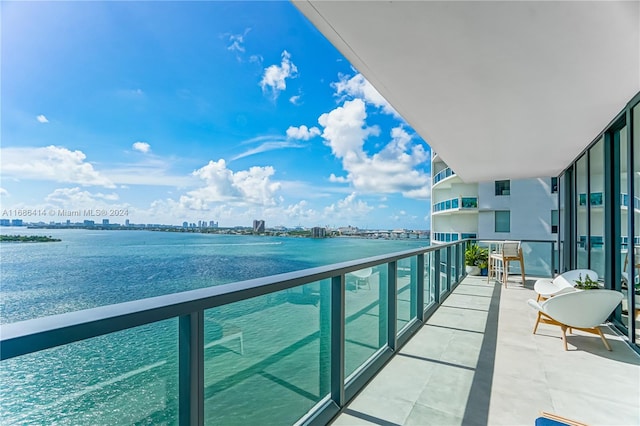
column 338, row 315
column 392, row 303
column 413, row 287
column 420, row 287
column 324, row 358
column 436, row 278
column 191, row 369
column 448, row 268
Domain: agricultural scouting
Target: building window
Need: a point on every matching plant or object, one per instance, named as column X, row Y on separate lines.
column 554, row 185
column 503, row 187
column 555, row 218
column 503, row 220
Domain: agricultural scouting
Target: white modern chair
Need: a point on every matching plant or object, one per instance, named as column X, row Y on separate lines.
column 582, row 310
column 563, row 283
column 362, row 278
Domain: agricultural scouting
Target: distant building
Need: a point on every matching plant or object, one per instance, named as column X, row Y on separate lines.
column 16, row 222
column 318, row 232
column 5, row 222
column 258, row 226
column 185, row 224
column 213, row 224
column 105, row 222
column 126, row 222
column 88, row 223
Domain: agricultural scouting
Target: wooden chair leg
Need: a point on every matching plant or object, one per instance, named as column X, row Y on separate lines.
column 606, row 344
column 522, row 270
column 564, row 336
column 535, row 327
column 505, row 272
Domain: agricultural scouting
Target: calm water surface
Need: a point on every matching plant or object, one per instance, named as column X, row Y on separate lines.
column 131, row 377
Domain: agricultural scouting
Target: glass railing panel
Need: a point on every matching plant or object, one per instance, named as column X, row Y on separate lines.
column 406, row 291
column 455, row 203
column 366, row 318
column 128, row 377
column 267, row 359
column 469, row 202
column 454, row 267
column 460, row 258
column 443, row 270
column 538, row 259
column 430, row 276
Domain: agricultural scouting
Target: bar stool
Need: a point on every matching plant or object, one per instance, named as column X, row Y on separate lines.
column 499, row 261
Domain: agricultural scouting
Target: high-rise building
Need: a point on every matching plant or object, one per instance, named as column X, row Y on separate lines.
column 318, row 232
column 496, row 210
column 258, row 226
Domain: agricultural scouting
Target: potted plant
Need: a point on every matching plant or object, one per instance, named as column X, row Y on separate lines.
column 587, row 283
column 475, row 258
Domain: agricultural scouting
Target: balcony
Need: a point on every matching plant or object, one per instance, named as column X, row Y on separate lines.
column 290, row 348
column 460, row 204
column 447, row 237
column 475, row 361
column 442, row 175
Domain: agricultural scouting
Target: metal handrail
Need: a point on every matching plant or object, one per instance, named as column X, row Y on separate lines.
column 24, row 337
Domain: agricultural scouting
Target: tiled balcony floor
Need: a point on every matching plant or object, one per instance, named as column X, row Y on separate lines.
column 476, row 362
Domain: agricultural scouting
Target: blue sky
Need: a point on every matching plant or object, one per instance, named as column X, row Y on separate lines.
column 187, row 111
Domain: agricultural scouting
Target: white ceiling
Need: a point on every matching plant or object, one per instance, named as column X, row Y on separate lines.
column 501, row 90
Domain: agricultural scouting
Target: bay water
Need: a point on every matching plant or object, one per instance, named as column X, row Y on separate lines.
column 268, row 369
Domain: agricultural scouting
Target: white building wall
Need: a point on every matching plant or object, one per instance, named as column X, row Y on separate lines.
column 530, row 204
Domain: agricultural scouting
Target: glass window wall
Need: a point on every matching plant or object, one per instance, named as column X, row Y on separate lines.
column 596, row 207
column 503, row 221
column 582, row 221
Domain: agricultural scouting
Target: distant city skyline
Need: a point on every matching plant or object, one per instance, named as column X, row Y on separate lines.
column 186, row 111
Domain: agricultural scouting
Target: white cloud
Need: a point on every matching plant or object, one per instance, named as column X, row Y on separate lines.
column 359, row 87
column 42, row 119
column 344, row 129
column 73, row 198
column 236, row 41
column 295, row 99
column 51, row 163
column 245, row 187
column 4, row 192
column 274, row 77
column 269, row 146
column 396, row 168
column 143, row 147
column 302, row 132
column 349, row 208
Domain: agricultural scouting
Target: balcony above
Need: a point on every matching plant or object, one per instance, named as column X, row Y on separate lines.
column 444, row 178
column 456, row 205
column 495, row 97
